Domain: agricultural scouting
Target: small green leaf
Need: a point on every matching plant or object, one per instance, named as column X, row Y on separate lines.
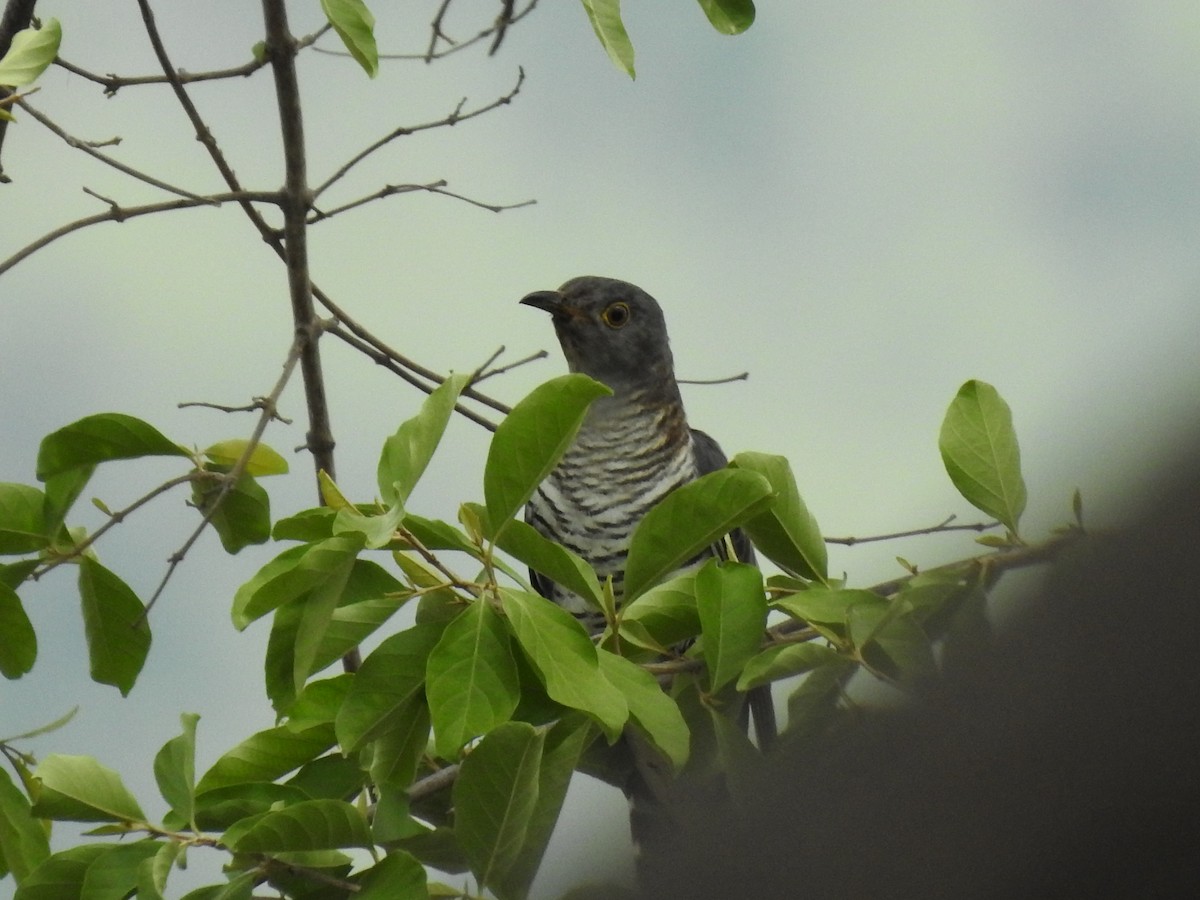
column 471, row 679
column 564, row 658
column 980, row 452
column 310, row 825
column 407, row 452
column 530, row 441
column 152, row 873
column 390, row 678
column 785, row 532
column 784, row 661
column 263, row 460
column 495, row 797
column 825, row 605
column 244, row 516
column 266, row 756
column 79, row 789
column 114, row 619
column 23, row 841
column 18, row 642
column 377, row 530
column 663, row 616
column 729, row 16
column 175, row 769
column 652, row 711
column 733, row 616
column 100, row 438
column 605, row 16
column 22, row 519
column 689, row 519
column 31, row 51
column 356, row 27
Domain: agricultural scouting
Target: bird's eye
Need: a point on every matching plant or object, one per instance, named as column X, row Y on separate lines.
column 616, row 316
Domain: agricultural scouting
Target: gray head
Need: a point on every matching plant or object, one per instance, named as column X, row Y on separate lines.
column 611, row 331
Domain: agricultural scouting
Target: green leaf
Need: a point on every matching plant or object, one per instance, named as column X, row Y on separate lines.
column 652, row 711
column 530, row 441
column 31, row 51
column 891, row 642
column 356, row 27
column 390, row 678
column 266, row 756
column 733, row 616
column 564, row 658
column 114, row 620
column 398, row 876
column 605, row 16
column 23, row 841
column 311, row 825
column 396, row 752
column 555, row 561
column 729, row 16
column 79, row 789
column 244, row 516
column 377, row 530
column 689, row 519
column 61, row 876
column 18, row 642
column 62, row 490
column 471, row 678
column 220, row 808
column 152, row 873
column 316, row 613
column 407, row 452
column 980, row 452
column 22, row 519
column 663, row 616
column 786, row 532
column 100, row 438
column 784, row 661
column 175, row 769
column 495, row 797
column 821, row 605
column 290, row 575
column 114, row 873
column 263, row 460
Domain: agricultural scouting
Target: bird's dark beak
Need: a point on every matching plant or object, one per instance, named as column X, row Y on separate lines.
column 548, row 301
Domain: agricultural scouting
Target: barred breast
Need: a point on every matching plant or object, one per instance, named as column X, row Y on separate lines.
column 628, row 455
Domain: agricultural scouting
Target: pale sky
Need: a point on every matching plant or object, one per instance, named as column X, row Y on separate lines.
column 861, row 204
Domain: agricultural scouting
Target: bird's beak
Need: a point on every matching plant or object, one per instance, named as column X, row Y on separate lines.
column 548, row 301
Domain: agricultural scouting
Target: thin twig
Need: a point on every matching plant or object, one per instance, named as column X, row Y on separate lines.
column 743, row 376
column 257, row 404
column 90, row 149
column 436, row 32
column 942, row 526
column 452, row 119
column 500, row 370
column 435, row 187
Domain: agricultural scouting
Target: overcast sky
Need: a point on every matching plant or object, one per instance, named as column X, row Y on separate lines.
column 861, row 204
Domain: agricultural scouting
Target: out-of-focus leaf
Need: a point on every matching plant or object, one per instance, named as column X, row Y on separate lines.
column 23, row 841
column 729, row 16
column 784, row 661
column 22, row 519
column 18, row 642
column 31, row 51
column 605, row 16
column 356, row 27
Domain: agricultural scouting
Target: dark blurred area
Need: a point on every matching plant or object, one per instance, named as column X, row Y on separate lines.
column 1066, row 765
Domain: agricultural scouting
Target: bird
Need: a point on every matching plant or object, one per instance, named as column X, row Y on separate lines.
column 634, row 447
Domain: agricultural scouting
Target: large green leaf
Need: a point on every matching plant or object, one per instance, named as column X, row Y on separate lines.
column 471, row 679
column 79, row 789
column 689, row 519
column 310, row 825
column 495, row 797
column 733, row 616
column 175, row 769
column 18, row 641
column 100, row 438
column 266, row 756
column 294, row 572
column 407, row 452
column 564, row 658
column 390, row 678
column 153, row 872
column 397, row 751
column 22, row 519
column 531, row 439
column 355, row 25
column 315, row 615
column 729, row 16
column 398, row 876
column 980, row 452
column 784, row 661
column 114, row 873
column 61, row 876
column 553, row 560
column 786, row 532
column 24, row 844
column 663, row 616
column 31, row 51
column 114, row 620
column 652, row 711
column 605, row 16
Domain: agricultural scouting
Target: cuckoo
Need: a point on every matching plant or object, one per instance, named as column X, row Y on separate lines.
column 634, row 446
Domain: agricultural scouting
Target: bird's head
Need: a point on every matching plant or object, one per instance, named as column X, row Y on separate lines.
column 609, row 330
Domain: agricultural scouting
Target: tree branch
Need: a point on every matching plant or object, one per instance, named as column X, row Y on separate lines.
column 942, row 526
column 435, row 187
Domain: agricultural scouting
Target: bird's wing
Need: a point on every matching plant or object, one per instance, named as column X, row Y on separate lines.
column 710, row 458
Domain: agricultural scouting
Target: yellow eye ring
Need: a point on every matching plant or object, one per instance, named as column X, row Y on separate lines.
column 616, row 315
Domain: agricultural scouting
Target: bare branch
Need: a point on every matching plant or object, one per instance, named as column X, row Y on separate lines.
column 503, row 20
column 452, row 119
column 89, row 147
column 483, row 372
column 436, row 33
column 435, row 187
column 742, row 376
column 942, row 526
column 257, row 404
